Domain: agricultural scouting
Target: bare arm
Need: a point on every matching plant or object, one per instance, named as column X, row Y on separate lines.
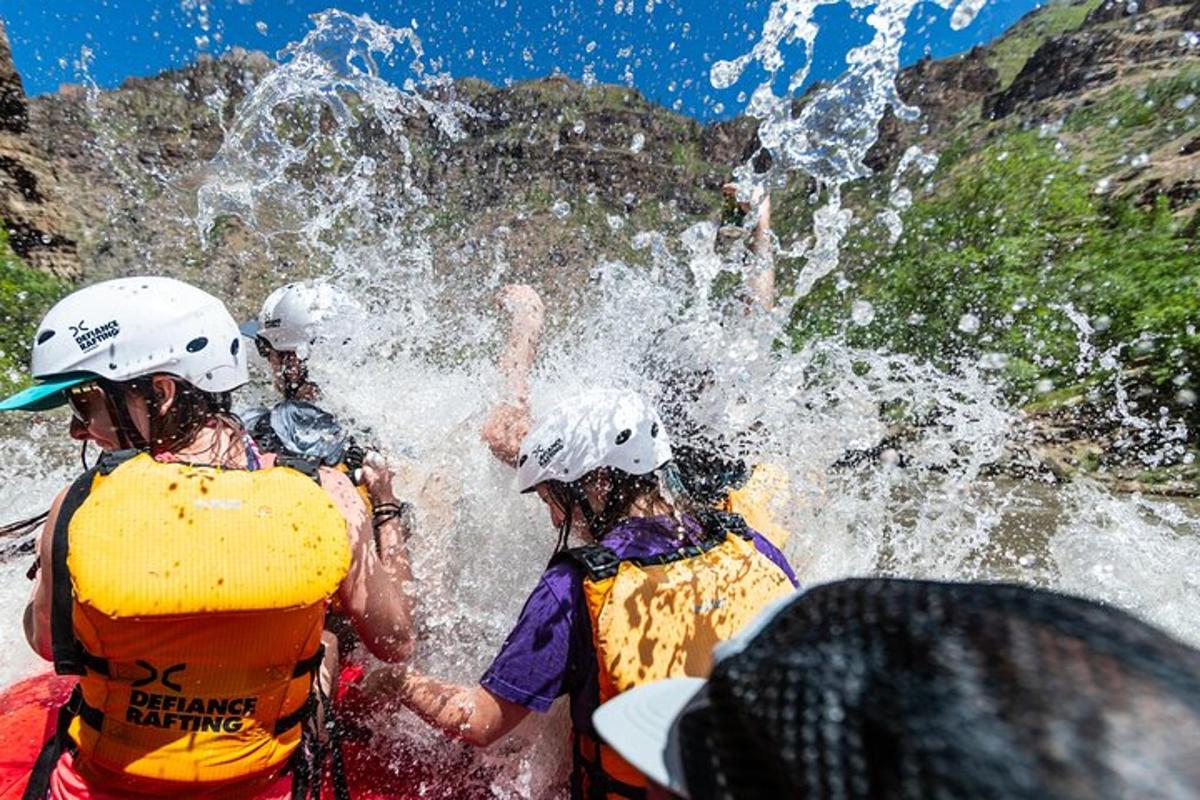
column 509, row 421
column 392, row 530
column 762, row 283
column 470, row 713
column 376, row 602
column 37, row 613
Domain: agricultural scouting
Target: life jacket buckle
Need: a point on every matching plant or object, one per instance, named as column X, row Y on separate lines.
column 74, row 703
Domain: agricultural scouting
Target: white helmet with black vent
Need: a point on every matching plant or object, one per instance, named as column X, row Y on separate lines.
column 130, row 328
column 601, row 428
column 294, row 316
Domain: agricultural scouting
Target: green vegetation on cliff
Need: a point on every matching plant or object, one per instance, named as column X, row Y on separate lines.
column 1009, row 240
column 1009, row 54
column 25, row 295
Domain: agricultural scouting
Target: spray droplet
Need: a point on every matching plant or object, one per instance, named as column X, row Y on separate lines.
column 862, row 313
column 724, row 74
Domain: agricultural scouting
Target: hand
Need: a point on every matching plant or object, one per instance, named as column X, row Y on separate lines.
column 522, row 303
column 506, row 427
column 377, row 476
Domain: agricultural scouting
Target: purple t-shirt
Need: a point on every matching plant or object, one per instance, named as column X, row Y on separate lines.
column 549, row 652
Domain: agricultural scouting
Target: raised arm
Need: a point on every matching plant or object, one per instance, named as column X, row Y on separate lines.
column 393, row 520
column 509, row 420
column 762, row 282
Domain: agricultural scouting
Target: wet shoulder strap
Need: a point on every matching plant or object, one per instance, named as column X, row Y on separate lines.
column 305, row 466
column 596, row 561
column 69, row 656
column 719, row 524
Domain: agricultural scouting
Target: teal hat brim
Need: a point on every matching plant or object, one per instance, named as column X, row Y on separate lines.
column 250, row 328
column 44, row 395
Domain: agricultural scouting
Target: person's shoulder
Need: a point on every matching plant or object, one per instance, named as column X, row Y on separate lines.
column 334, row 479
column 564, row 575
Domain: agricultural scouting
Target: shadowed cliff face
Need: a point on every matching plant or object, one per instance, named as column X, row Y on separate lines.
column 130, row 154
column 34, row 214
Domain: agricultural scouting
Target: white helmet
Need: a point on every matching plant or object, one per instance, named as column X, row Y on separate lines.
column 293, row 316
column 603, row 428
column 128, row 328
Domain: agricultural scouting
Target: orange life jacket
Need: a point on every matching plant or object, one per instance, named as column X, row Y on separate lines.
column 756, row 501
column 191, row 601
column 660, row 617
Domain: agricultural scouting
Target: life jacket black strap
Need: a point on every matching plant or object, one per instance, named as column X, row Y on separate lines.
column 297, row 717
column 78, row 707
column 307, row 466
column 596, row 561
column 307, row 764
column 599, row 563
column 68, row 654
column 589, row 781
column 111, row 460
column 39, row 777
column 310, row 666
column 719, row 523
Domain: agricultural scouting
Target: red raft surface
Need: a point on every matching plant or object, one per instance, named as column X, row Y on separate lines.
column 28, row 711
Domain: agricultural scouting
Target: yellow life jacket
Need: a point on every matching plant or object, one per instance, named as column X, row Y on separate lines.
column 756, row 499
column 196, row 601
column 660, row 617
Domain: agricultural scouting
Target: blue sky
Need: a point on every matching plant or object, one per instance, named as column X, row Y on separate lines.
column 667, row 52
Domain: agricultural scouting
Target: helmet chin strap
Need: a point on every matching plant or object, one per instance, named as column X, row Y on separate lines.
column 570, row 496
column 128, row 434
column 599, row 522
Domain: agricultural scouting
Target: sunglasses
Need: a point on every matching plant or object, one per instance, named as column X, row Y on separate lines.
column 85, row 399
column 264, row 347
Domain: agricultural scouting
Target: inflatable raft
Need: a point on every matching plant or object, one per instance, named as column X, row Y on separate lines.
column 29, row 708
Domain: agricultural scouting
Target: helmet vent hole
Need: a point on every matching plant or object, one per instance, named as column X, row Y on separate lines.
column 45, row 336
column 524, row 458
column 654, row 430
column 623, row 436
column 235, row 347
column 197, row 344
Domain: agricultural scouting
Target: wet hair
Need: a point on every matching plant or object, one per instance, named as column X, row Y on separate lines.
column 191, row 410
column 708, row 467
column 624, row 490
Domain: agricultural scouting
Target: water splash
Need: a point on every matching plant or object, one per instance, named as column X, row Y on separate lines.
column 827, row 133
column 1156, row 440
column 301, row 159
